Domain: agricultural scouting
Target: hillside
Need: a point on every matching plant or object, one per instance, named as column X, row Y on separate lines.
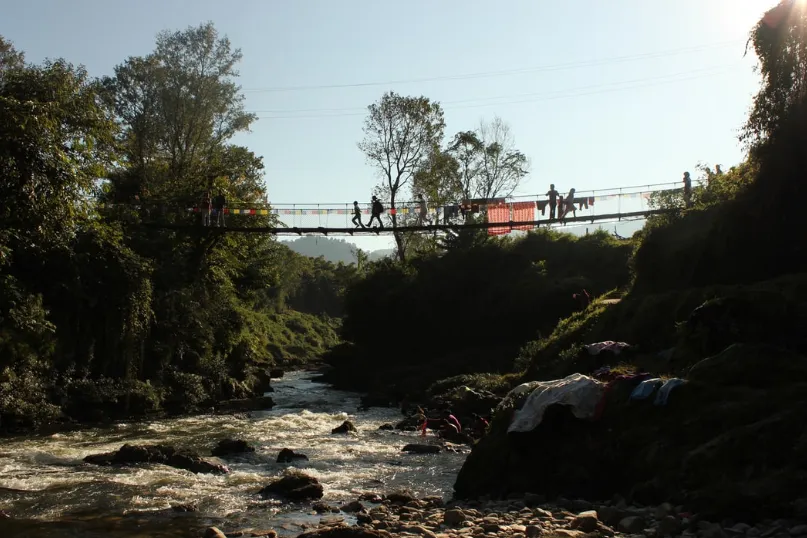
column 333, row 250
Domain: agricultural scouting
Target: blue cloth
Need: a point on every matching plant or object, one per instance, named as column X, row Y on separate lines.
column 645, row 389
column 666, row 388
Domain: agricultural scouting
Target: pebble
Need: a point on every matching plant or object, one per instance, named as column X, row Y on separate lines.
column 669, row 526
column 631, row 525
column 454, row 517
column 214, row 532
column 533, row 530
column 585, row 521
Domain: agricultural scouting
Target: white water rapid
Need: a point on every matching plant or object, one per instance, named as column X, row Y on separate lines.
column 63, row 497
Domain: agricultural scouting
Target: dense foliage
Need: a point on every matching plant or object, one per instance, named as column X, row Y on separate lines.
column 101, row 316
column 468, row 309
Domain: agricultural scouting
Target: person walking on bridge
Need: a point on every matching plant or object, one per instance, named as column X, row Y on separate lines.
column 357, row 215
column 375, row 213
column 568, row 205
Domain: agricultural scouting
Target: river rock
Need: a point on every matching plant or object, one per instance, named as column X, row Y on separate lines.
column 214, row 532
column 166, row 455
column 330, row 521
column 669, row 526
column 534, row 499
column 351, row 507
column 410, row 424
column 263, row 383
column 4, row 515
column 346, row 532
column 287, row 455
column 246, row 404
column 533, row 531
column 323, row 508
column 663, row 510
column 276, row 373
column 421, row 449
column 294, row 487
column 454, row 517
column 631, row 525
column 386, row 427
column 585, row 521
column 346, row 427
column 185, row 507
column 229, row 447
column 400, row 498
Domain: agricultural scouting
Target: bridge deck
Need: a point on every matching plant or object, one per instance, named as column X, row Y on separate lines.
column 407, row 229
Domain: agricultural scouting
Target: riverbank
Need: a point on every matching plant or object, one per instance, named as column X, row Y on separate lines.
column 530, row 516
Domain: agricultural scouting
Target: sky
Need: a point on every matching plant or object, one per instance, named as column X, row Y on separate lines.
column 597, row 94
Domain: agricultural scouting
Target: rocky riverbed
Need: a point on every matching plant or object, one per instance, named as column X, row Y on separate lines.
column 402, row 515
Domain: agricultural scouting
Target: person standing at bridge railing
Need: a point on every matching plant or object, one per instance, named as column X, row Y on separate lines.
column 687, row 190
column 375, row 213
column 357, row 215
column 553, row 200
column 218, row 204
column 205, row 208
column 423, row 214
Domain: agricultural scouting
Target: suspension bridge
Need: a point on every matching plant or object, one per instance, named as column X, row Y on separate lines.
column 502, row 215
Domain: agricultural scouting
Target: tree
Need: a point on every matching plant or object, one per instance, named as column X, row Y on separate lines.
column 399, row 134
column 10, row 58
column 502, row 167
column 179, row 106
column 467, row 149
column 780, row 41
column 55, row 140
column 488, row 165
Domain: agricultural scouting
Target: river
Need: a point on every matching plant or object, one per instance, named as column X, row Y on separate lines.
column 63, row 497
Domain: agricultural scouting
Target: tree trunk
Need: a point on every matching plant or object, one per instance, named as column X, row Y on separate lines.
column 399, row 242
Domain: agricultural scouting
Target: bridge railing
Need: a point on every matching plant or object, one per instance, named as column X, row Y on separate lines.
column 590, row 202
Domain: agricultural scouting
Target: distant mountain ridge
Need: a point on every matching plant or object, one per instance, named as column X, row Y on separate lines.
column 333, row 250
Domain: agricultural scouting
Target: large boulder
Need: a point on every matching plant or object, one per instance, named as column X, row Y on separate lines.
column 751, row 365
column 231, row 447
column 294, row 487
column 287, row 455
column 166, row 455
column 466, row 402
column 728, row 443
column 750, row 316
column 346, row 427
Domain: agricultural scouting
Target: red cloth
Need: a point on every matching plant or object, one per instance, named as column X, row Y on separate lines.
column 523, row 212
column 498, row 213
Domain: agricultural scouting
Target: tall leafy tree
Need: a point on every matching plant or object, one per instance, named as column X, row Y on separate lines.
column 400, row 133
column 55, row 140
column 179, row 105
column 780, row 42
column 502, row 165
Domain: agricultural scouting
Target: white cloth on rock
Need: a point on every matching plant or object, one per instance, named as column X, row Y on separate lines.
column 578, row 391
